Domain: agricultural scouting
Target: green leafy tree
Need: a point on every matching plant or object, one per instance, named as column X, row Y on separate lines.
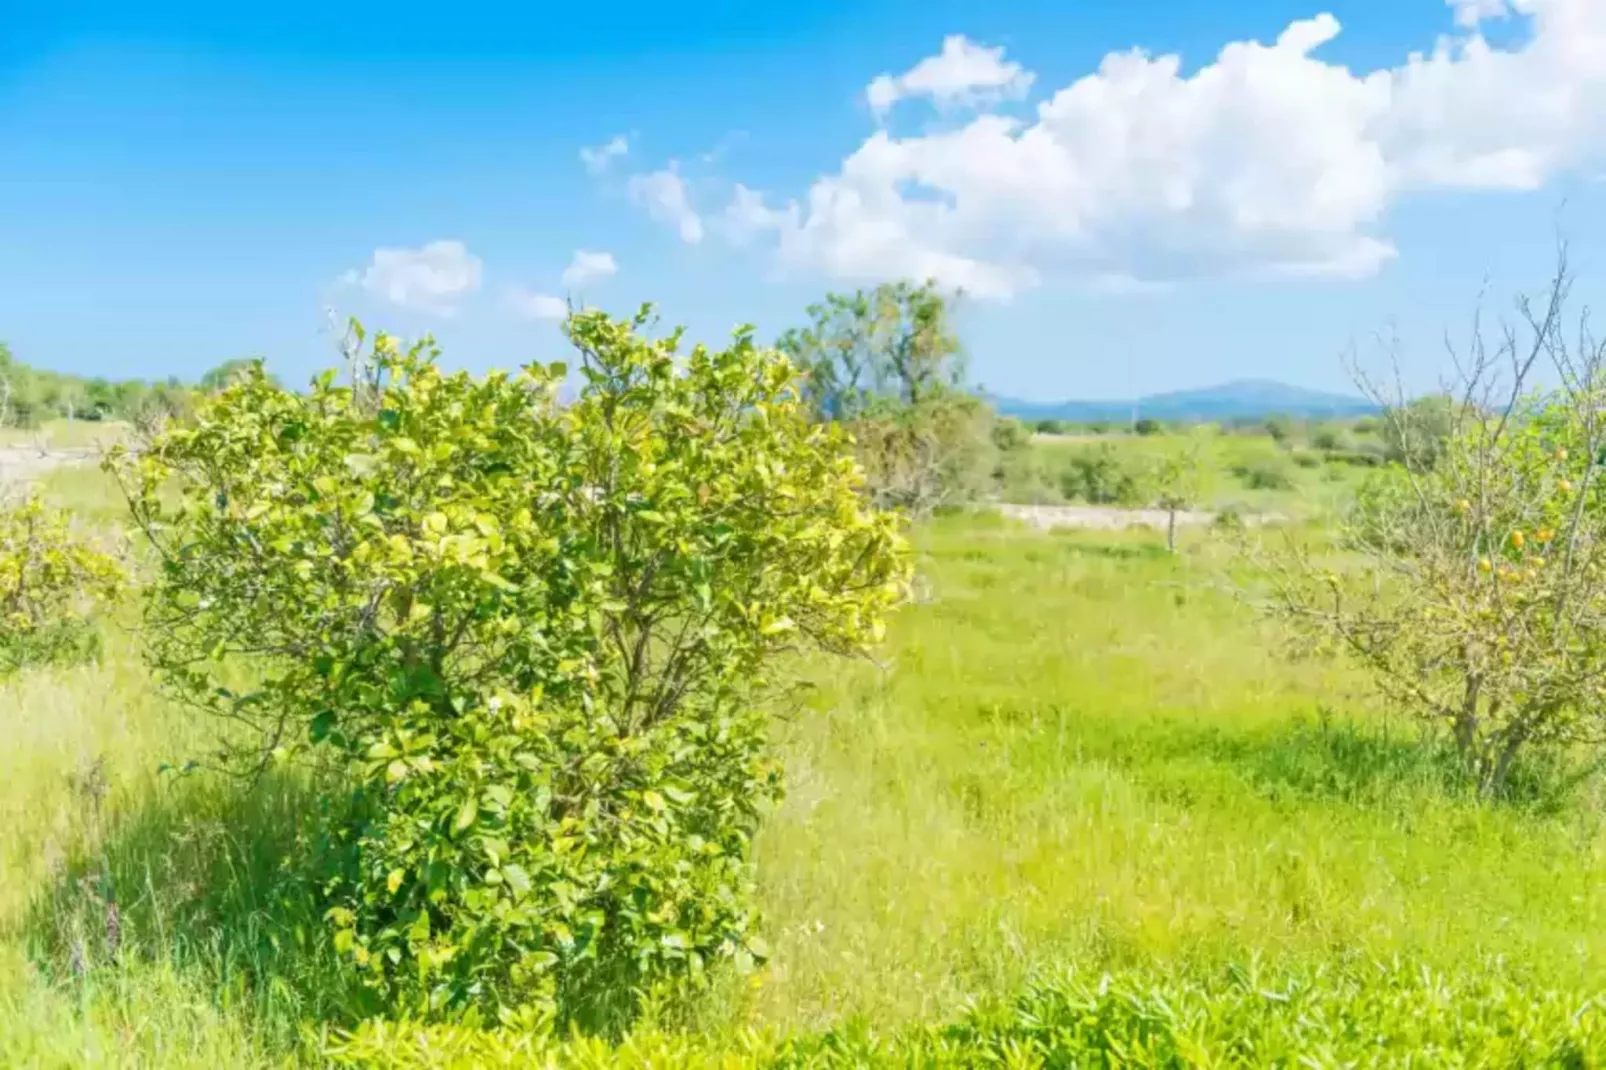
column 886, row 364
column 535, row 639
column 1416, row 433
column 863, row 351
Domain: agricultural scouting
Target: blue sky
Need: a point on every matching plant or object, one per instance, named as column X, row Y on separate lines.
column 184, row 183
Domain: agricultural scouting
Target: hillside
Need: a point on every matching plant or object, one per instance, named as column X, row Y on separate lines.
column 1241, row 399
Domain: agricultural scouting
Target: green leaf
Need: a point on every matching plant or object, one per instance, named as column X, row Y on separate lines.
column 466, row 813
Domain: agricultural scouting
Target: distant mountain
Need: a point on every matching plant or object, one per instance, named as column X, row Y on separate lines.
column 1240, row 400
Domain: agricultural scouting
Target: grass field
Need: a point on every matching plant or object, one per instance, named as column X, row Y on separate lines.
column 1248, row 472
column 1078, row 752
column 66, row 434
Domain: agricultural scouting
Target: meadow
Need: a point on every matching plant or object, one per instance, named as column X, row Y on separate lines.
column 1079, row 761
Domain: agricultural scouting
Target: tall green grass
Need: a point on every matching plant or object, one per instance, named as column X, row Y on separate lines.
column 1077, row 753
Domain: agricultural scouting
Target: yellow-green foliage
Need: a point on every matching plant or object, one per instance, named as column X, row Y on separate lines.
column 52, row 581
column 1380, row 1016
column 537, row 638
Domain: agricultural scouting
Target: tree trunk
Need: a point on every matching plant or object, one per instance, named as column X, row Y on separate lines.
column 1171, row 530
column 1495, row 781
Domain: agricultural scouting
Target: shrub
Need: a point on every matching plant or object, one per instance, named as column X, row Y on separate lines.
column 533, row 641
column 1416, row 433
column 1328, row 438
column 1267, row 473
column 1478, row 601
column 1049, row 427
column 1101, row 475
column 1147, row 425
column 1384, row 1016
column 52, row 582
column 919, row 458
column 1280, row 428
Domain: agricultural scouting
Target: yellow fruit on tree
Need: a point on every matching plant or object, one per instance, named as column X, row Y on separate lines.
column 1484, row 565
column 1517, row 539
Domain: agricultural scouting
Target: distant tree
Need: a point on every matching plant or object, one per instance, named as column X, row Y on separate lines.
column 1327, row 437
column 1416, row 433
column 893, row 344
column 1280, row 428
column 1179, row 478
column 230, row 372
column 1147, row 425
column 887, row 364
column 1049, row 427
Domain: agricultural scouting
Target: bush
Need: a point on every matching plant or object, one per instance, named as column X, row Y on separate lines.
column 1147, row 425
column 1101, row 475
column 1328, row 438
column 52, row 582
column 1384, row 1016
column 919, row 458
column 1416, row 433
column 532, row 640
column 1268, row 473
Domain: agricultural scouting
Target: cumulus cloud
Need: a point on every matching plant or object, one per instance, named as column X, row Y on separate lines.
column 600, row 158
column 431, row 278
column 667, row 199
column 962, row 74
column 1265, row 160
column 587, row 267
column 536, row 306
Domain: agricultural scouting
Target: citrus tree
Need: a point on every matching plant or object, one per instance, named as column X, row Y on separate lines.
column 1473, row 588
column 53, row 579
column 534, row 638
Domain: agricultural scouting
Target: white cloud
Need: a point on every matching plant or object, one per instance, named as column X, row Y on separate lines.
column 667, row 199
column 537, row 306
column 1266, row 160
column 599, row 159
column 587, row 266
column 431, row 278
column 962, row 74
column 1468, row 13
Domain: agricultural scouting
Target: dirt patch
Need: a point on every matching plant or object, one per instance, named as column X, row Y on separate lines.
column 1111, row 518
column 24, row 464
